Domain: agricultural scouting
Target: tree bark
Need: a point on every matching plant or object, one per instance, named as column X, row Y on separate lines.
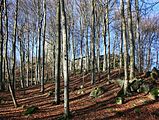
column 125, row 46
column 132, row 42
column 44, row 32
column 138, row 35
column 65, row 60
column 93, row 43
column 39, row 39
column 14, row 49
column 6, row 53
column 1, row 45
column 105, row 45
column 107, row 22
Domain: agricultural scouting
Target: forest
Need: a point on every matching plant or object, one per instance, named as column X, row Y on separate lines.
column 79, row 59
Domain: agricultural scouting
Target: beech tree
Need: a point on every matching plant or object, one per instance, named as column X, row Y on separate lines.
column 65, row 59
column 132, row 41
column 1, row 45
column 57, row 57
column 125, row 46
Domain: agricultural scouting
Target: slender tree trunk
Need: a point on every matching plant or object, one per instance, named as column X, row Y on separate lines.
column 138, row 34
column 58, row 54
column 65, row 61
column 107, row 22
column 114, row 55
column 93, row 43
column 97, row 47
column 14, row 49
column 157, row 59
column 39, row 39
column 73, row 49
column 1, row 45
column 6, row 53
column 54, row 60
column 21, row 60
column 125, row 46
column 105, row 45
column 32, row 62
column 36, row 69
column 28, row 55
column 121, row 47
column 44, row 32
column 81, row 47
column 87, row 53
column 149, row 58
column 132, row 42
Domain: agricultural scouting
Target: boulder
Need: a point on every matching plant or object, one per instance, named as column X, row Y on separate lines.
column 96, row 92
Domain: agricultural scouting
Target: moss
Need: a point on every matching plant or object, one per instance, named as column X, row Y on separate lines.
column 137, row 110
column 96, row 92
column 154, row 93
column 31, row 110
column 119, row 100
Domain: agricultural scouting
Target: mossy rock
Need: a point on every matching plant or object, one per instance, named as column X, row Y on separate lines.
column 144, row 88
column 154, row 93
column 119, row 100
column 135, row 85
column 96, row 92
column 120, row 82
column 31, row 110
column 154, row 76
column 155, row 73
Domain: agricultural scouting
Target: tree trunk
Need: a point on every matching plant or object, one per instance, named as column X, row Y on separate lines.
column 73, row 49
column 81, row 47
column 14, row 49
column 6, row 53
column 1, row 45
column 97, row 48
column 107, row 22
column 105, row 45
column 132, row 42
column 39, row 39
column 44, row 32
column 125, row 46
column 87, row 53
column 58, row 54
column 65, row 61
column 21, row 59
column 114, row 55
column 28, row 55
column 138, row 35
column 32, row 62
column 93, row 43
column 121, row 47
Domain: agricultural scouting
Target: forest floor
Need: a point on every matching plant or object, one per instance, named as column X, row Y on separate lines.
column 82, row 106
